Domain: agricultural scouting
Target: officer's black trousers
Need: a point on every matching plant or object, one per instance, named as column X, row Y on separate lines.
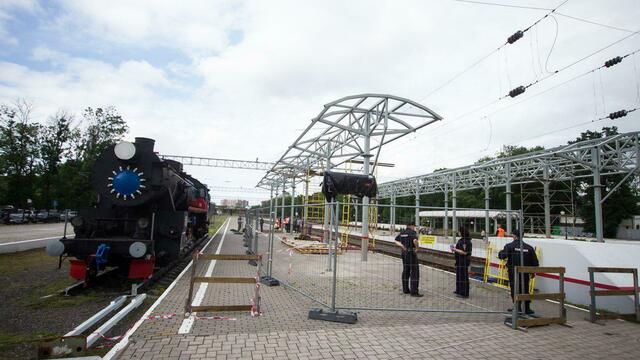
column 523, row 285
column 410, row 272
column 462, row 280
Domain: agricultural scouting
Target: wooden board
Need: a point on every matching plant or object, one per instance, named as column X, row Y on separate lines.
column 612, row 292
column 549, row 296
column 540, row 321
column 612, row 270
column 541, row 269
column 228, row 257
column 221, row 308
column 224, row 280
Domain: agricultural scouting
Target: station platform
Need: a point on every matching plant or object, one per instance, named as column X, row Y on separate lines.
column 283, row 330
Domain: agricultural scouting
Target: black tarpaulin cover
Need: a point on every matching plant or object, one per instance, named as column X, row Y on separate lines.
column 335, row 183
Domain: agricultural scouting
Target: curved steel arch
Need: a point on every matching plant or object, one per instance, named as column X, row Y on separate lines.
column 347, row 128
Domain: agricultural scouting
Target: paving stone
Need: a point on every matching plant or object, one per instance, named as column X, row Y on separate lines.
column 284, row 330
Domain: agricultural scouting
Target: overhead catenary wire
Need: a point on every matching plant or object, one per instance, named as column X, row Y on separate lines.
column 503, row 5
column 530, row 97
column 512, row 39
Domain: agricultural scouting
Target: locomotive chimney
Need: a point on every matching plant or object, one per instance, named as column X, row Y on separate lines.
column 145, row 145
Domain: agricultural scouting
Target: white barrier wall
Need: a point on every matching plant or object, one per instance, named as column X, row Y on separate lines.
column 576, row 257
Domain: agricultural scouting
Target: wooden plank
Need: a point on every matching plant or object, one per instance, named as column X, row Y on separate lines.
column 224, row 280
column 221, row 308
column 541, row 269
column 612, row 292
column 612, row 270
column 540, row 321
column 549, row 296
column 228, row 257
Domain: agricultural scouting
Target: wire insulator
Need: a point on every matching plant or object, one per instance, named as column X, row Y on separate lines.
column 515, row 37
column 617, row 114
column 517, row 91
column 611, row 62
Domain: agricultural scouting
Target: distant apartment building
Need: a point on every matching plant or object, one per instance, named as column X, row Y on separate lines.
column 235, row 203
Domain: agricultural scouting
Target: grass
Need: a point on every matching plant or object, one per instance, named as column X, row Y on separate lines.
column 9, row 340
column 216, row 223
column 24, row 260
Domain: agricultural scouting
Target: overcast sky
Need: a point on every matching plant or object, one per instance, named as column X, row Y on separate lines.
column 242, row 79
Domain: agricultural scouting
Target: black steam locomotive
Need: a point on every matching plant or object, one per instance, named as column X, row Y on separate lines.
column 148, row 212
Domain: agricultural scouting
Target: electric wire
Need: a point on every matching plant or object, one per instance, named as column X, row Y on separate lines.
column 594, row 23
column 503, row 5
column 480, row 60
column 434, row 132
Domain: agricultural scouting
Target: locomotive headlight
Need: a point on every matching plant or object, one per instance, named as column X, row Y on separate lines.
column 55, row 248
column 124, row 150
column 77, row 221
column 143, row 223
column 137, row 249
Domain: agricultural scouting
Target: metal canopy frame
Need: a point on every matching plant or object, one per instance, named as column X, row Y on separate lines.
column 222, row 163
column 352, row 127
column 617, row 154
column 341, row 131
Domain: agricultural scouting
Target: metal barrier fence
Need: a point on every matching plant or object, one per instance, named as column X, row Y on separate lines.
column 323, row 257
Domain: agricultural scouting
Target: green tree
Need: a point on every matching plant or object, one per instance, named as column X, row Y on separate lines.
column 19, row 151
column 103, row 127
column 55, row 146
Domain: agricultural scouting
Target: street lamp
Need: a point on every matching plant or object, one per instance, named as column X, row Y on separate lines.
column 565, row 224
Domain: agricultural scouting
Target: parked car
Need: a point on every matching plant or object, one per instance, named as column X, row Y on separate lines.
column 72, row 214
column 21, row 216
column 48, row 216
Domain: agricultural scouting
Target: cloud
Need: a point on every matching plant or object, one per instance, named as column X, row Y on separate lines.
column 191, row 26
column 254, row 73
column 7, row 8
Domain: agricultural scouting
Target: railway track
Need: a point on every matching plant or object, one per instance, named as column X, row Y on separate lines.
column 433, row 258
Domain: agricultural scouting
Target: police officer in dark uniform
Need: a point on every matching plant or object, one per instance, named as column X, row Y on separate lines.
column 512, row 252
column 462, row 251
column 408, row 240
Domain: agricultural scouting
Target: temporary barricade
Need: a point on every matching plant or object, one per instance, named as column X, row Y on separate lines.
column 620, row 292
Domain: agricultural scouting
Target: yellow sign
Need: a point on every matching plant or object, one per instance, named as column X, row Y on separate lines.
column 427, row 240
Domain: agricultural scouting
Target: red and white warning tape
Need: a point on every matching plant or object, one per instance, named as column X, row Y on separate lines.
column 163, row 317
column 214, row 318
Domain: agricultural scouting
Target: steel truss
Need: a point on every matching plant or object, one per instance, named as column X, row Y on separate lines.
column 341, row 130
column 350, row 128
column 223, row 163
column 617, row 154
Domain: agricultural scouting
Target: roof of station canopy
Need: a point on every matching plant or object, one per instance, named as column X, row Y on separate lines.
column 338, row 133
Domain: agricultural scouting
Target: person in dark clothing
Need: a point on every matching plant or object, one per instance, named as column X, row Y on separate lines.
column 462, row 250
column 261, row 225
column 408, row 241
column 512, row 252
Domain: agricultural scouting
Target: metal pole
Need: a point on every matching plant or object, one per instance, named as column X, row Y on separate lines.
column 284, row 184
column 292, row 219
column 508, row 197
column 325, row 227
column 335, row 261
column 66, row 221
column 454, row 204
column 446, row 211
column 365, row 200
column 330, row 238
column 592, row 295
column 393, row 213
column 272, row 216
column 417, row 217
column 486, row 208
column 547, row 202
column 305, row 206
column 597, row 193
column 256, row 223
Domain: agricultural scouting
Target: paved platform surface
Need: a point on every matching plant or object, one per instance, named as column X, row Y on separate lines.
column 283, row 331
column 11, row 233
